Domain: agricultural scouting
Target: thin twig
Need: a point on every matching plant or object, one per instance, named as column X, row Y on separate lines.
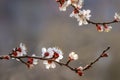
column 97, row 59
column 89, row 21
column 20, row 58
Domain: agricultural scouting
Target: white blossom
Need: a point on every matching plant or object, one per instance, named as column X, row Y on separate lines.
column 73, row 56
column 23, row 49
column 47, row 53
column 65, row 5
column 58, row 54
column 117, row 17
column 32, row 61
column 19, row 51
column 108, row 28
column 54, row 53
column 49, row 64
column 81, row 16
column 35, row 61
column 77, row 3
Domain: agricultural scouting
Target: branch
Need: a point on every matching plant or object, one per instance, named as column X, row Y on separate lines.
column 84, row 16
column 104, row 54
column 78, row 70
column 95, row 23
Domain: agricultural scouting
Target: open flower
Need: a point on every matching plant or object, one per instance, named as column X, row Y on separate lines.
column 54, row 54
column 64, row 4
column 20, row 51
column 81, row 16
column 107, row 28
column 77, row 3
column 49, row 64
column 23, row 48
column 117, row 17
column 73, row 56
column 58, row 54
column 47, row 53
column 32, row 61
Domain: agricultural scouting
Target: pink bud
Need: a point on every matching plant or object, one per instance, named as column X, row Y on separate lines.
column 80, row 71
column 46, row 54
column 14, row 53
column 6, row 57
column 99, row 28
column 56, row 55
column 104, row 55
column 30, row 60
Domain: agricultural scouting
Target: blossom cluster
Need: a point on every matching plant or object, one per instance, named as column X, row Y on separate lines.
column 22, row 51
column 50, row 56
column 19, row 51
column 54, row 54
column 83, row 16
column 105, row 27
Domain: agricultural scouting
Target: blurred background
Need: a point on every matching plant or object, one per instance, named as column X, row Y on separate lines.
column 39, row 23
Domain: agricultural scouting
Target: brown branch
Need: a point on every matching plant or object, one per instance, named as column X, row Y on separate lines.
column 89, row 21
column 35, row 57
column 95, row 23
column 104, row 54
column 1, row 57
column 20, row 58
column 102, row 23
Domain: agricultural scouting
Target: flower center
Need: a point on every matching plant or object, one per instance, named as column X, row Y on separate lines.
column 46, row 54
column 56, row 55
column 30, row 60
column 19, row 49
column 49, row 61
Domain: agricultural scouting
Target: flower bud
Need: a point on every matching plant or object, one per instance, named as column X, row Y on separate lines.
column 73, row 56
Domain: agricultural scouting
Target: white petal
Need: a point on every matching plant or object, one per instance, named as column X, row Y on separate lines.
column 57, row 60
column 72, row 14
column 17, row 59
column 80, row 23
column 65, row 5
column 85, row 22
column 60, row 56
column 33, row 55
column 75, row 56
column 53, row 65
column 24, row 52
column 45, row 62
column 43, row 50
column 47, row 66
column 22, row 46
column 35, row 61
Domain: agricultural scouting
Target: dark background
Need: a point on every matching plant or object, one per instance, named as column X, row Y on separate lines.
column 39, row 23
